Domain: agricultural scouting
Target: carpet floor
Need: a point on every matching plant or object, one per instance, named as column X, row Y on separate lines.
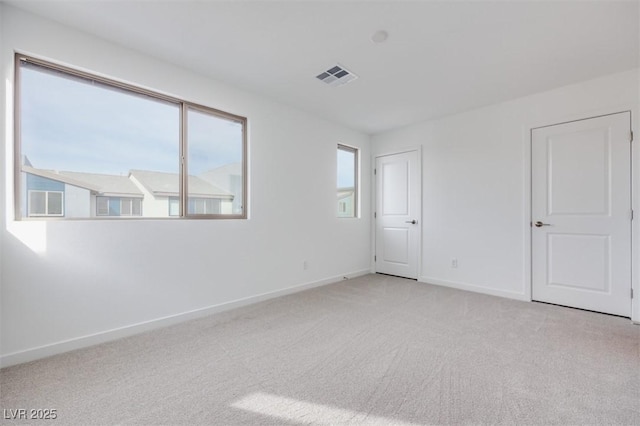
column 374, row 350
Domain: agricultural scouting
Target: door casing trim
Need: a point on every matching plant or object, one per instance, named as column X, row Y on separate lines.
column 527, row 141
column 374, row 198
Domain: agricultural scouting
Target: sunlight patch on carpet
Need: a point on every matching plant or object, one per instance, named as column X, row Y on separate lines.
column 284, row 408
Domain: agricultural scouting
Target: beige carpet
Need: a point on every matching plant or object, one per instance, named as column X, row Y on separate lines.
column 372, row 350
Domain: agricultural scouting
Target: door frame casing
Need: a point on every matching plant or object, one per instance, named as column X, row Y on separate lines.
column 527, row 141
column 374, row 198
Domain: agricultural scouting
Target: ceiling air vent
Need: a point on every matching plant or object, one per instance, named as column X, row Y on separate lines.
column 336, row 76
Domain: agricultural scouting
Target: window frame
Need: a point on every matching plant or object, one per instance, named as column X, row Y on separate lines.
column 356, row 180
column 46, row 203
column 183, row 105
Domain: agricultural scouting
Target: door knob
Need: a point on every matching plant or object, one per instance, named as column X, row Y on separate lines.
column 539, row 224
column 413, row 222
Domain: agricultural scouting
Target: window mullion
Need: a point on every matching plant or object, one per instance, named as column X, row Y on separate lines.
column 183, row 162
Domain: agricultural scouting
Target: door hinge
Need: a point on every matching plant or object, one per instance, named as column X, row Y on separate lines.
column 375, row 258
column 631, row 214
column 375, row 171
column 375, row 215
column 631, row 136
column 632, row 293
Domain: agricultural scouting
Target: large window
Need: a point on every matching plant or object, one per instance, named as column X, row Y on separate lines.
column 347, row 187
column 110, row 149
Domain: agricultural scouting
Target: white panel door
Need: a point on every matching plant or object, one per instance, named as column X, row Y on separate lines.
column 581, row 214
column 398, row 212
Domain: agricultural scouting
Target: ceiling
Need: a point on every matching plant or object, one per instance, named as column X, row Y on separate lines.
column 440, row 58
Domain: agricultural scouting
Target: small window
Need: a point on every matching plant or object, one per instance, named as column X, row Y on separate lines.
column 347, row 187
column 102, row 206
column 136, row 207
column 125, row 207
column 117, row 206
column 130, row 207
column 205, row 205
column 174, row 206
column 45, row 203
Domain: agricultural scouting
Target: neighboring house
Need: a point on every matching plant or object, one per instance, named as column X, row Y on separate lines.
column 51, row 193
column 346, row 202
column 145, row 193
column 117, row 196
column 228, row 178
column 161, row 192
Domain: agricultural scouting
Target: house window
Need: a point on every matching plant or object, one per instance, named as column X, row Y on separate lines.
column 347, row 181
column 174, row 206
column 46, row 203
column 204, row 206
column 102, row 206
column 197, row 206
column 130, row 207
column 117, row 206
column 93, row 137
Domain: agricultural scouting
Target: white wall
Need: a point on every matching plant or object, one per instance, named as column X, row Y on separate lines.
column 3, row 160
column 77, row 202
column 67, row 283
column 475, row 169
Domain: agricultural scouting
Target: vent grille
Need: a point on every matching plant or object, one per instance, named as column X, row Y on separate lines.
column 336, row 76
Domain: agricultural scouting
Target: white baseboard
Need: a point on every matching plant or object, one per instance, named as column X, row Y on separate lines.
column 475, row 288
column 130, row 330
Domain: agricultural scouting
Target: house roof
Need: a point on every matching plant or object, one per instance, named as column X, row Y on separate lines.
column 167, row 184
column 158, row 183
column 345, row 192
column 53, row 175
column 107, row 185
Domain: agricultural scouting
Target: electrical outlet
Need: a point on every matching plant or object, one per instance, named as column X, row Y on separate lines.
column 454, row 262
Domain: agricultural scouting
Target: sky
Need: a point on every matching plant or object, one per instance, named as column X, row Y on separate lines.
column 346, row 169
column 71, row 124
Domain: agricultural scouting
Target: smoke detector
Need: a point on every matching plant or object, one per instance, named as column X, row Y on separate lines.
column 336, row 76
column 379, row 36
